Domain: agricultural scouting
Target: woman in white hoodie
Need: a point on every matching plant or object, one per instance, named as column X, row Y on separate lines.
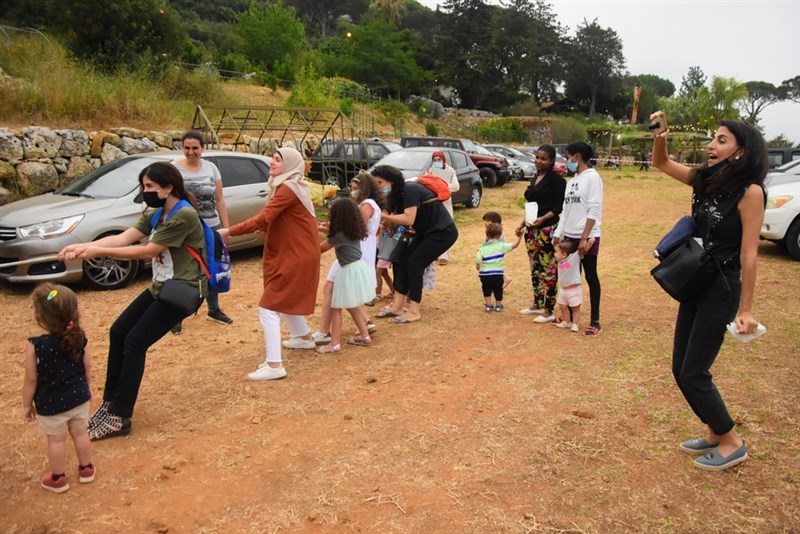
column 580, row 220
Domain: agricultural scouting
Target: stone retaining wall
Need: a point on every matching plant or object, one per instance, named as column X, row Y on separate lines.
column 35, row 159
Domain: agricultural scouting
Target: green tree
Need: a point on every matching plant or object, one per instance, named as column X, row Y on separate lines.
column 392, row 11
column 760, row 96
column 379, row 56
column 466, row 54
column 790, row 89
column 780, row 141
column 270, row 34
column 117, row 34
column 692, row 82
column 596, row 66
column 719, row 100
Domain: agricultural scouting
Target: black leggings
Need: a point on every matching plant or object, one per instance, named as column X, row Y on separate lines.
column 699, row 333
column 421, row 252
column 492, row 283
column 589, row 266
column 143, row 322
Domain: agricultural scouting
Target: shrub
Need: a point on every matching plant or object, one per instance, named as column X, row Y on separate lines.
column 567, row 129
column 310, row 90
column 503, row 130
column 431, row 129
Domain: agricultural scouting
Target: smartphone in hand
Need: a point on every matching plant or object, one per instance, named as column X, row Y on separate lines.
column 658, row 123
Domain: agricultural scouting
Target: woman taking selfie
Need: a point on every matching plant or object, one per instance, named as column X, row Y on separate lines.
column 728, row 200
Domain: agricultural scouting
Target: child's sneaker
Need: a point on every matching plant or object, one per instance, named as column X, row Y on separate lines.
column 499, row 308
column 488, row 308
column 564, row 324
column 85, row 473
column 56, row 486
column 575, row 328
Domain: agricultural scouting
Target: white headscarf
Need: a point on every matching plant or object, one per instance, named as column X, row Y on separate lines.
column 292, row 177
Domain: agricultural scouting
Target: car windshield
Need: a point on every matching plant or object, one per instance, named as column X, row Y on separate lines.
column 113, row 180
column 408, row 160
column 480, row 150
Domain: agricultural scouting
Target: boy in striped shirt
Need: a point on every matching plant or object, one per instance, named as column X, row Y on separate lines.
column 489, row 264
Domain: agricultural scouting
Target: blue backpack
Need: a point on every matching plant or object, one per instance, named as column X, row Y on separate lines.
column 218, row 261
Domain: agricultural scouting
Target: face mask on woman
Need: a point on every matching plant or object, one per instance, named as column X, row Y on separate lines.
column 386, row 191
column 572, row 166
column 438, row 165
column 151, row 199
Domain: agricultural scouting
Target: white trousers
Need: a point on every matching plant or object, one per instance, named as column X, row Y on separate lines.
column 271, row 325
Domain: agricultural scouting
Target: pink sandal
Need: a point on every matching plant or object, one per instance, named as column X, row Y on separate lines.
column 329, row 348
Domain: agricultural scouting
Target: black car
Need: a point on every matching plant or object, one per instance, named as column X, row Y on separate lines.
column 336, row 162
column 415, row 161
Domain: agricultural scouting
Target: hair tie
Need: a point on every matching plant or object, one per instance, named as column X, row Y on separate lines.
column 53, row 294
column 70, row 325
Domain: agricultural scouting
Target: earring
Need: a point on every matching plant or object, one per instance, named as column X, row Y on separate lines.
column 737, row 157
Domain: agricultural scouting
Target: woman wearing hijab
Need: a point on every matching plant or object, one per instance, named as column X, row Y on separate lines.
column 290, row 260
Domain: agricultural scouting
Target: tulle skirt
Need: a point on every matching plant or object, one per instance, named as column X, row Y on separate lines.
column 353, row 286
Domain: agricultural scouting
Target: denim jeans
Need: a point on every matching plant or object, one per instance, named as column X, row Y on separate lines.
column 699, row 333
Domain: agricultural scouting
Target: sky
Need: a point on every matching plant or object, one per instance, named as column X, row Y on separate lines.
column 756, row 40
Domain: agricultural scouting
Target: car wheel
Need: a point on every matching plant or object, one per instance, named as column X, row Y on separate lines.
column 488, row 176
column 792, row 239
column 474, row 197
column 109, row 273
column 333, row 176
column 503, row 180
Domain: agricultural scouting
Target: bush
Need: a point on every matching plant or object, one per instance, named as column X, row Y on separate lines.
column 567, row 129
column 431, row 129
column 347, row 106
column 505, row 130
column 310, row 90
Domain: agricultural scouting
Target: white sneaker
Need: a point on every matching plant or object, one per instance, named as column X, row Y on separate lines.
column 299, row 343
column 265, row 372
column 575, row 328
column 563, row 324
column 318, row 338
column 545, row 319
column 530, row 311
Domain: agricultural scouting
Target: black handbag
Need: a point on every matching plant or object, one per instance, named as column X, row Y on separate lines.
column 400, row 248
column 181, row 296
column 687, row 271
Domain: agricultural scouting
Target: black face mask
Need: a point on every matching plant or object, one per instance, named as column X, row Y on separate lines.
column 717, row 167
column 151, row 199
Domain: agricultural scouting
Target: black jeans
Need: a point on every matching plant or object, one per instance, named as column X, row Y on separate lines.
column 143, row 322
column 589, row 268
column 420, row 253
column 699, row 332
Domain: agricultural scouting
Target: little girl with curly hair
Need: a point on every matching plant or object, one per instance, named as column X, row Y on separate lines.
column 353, row 285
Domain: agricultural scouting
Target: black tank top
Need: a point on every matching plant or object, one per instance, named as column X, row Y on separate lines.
column 718, row 221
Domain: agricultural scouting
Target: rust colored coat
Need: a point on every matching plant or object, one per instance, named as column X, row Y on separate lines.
column 291, row 253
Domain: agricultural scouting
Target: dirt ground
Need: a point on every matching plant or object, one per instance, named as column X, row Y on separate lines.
column 463, row 422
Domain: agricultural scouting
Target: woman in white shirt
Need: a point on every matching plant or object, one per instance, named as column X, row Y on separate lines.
column 580, row 220
column 203, row 180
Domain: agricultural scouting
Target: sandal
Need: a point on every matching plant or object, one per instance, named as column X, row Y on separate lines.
column 329, row 349
column 386, row 313
column 360, row 340
column 112, row 425
column 592, row 331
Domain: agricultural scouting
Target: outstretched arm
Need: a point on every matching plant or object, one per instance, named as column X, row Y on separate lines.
column 661, row 161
